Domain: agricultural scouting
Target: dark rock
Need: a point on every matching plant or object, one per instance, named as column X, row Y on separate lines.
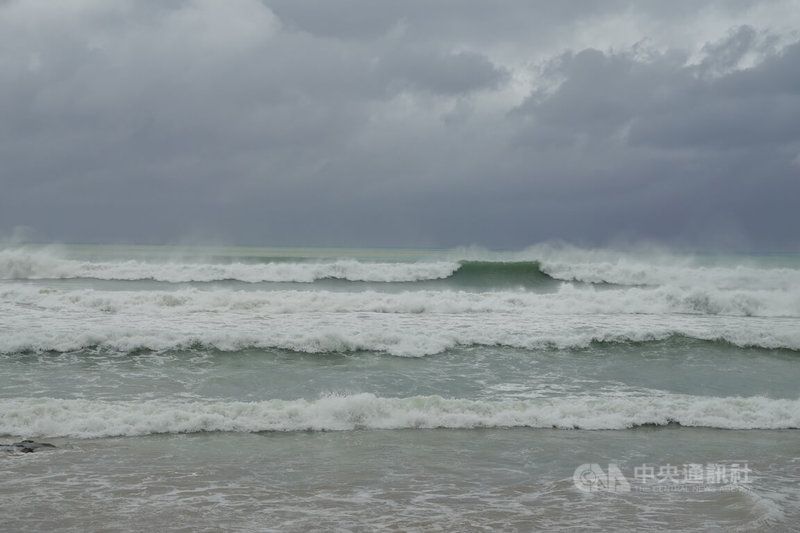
column 25, row 446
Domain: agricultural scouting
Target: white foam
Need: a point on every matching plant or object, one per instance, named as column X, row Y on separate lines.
column 625, row 272
column 413, row 323
column 567, row 300
column 661, row 268
column 50, row 417
column 409, row 323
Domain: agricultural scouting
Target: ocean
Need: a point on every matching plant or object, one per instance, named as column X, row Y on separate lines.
column 263, row 389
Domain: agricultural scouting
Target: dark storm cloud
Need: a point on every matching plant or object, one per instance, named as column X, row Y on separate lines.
column 694, row 148
column 400, row 123
column 443, row 21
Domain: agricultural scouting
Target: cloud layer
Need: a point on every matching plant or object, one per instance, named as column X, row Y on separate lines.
column 360, row 123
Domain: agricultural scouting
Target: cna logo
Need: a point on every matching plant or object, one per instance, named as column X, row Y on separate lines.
column 590, row 477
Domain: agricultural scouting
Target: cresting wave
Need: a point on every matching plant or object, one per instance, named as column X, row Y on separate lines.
column 51, row 417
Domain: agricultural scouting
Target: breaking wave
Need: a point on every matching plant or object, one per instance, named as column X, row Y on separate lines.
column 50, row 417
column 567, row 299
column 398, row 335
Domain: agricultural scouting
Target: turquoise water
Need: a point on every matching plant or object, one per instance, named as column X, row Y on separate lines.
column 289, row 389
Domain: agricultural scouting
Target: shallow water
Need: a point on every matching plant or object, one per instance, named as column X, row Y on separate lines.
column 464, row 480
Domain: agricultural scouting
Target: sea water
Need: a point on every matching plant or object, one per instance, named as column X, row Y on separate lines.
column 252, row 389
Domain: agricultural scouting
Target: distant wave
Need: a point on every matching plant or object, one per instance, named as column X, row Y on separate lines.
column 531, row 269
column 50, row 417
column 465, row 274
column 43, row 264
column 652, row 267
column 645, row 274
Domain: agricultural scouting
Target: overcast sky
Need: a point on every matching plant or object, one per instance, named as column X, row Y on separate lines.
column 402, row 123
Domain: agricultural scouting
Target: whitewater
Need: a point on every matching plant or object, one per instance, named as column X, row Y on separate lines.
column 523, row 364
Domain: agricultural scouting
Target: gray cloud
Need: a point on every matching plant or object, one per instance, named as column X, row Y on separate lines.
column 400, row 124
column 453, row 73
